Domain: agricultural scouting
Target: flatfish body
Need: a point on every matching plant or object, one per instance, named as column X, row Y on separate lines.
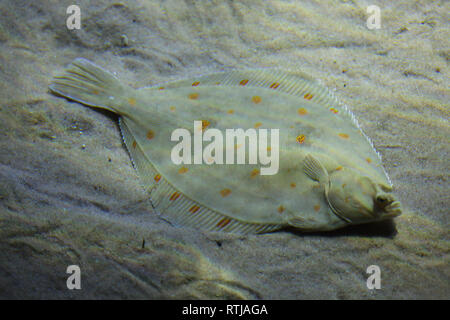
column 324, row 172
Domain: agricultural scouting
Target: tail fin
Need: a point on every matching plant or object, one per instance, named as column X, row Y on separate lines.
column 87, row 83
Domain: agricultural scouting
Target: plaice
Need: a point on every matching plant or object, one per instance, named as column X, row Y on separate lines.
column 321, row 149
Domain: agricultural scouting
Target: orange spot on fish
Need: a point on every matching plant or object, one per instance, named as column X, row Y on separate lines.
column 301, row 138
column 172, row 108
column 293, row 185
column 256, row 99
column 274, row 85
column 316, row 208
column 369, row 160
column 280, row 209
column 174, row 196
column 194, row 209
column 308, row 96
column 196, row 83
column 254, row 173
column 258, row 124
column 243, row 82
column 150, row 134
column 161, row 88
column 183, row 170
column 343, row 135
column 225, row 192
column 269, row 149
column 132, row 101
column 334, row 110
column 157, row 177
column 338, row 168
column 134, row 144
column 302, row 111
column 231, row 111
column 223, row 223
column 205, row 124
column 193, row 96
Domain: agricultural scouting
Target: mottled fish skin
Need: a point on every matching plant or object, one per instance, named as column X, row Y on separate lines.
column 330, row 175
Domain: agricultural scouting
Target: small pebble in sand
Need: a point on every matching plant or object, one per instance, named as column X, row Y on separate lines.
column 124, row 40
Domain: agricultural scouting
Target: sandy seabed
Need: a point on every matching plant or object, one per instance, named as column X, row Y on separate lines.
column 69, row 194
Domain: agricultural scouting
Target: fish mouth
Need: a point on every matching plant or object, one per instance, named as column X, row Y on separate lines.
column 394, row 209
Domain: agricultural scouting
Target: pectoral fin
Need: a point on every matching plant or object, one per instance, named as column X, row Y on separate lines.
column 315, row 170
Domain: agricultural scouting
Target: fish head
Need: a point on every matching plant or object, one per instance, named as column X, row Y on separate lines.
column 358, row 199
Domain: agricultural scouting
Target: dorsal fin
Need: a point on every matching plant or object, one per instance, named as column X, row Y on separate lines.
column 174, row 205
column 294, row 83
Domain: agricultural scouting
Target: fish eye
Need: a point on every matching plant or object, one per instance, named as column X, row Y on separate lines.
column 381, row 199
